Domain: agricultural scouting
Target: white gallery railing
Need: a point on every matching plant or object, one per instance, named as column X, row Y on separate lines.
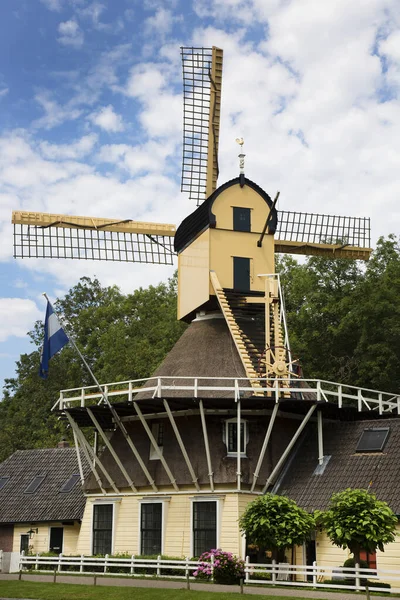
column 195, row 387
column 312, row 576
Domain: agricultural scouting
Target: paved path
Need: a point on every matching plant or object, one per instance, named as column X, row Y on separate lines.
column 203, row 587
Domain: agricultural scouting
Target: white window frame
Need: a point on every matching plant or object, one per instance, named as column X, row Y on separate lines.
column 164, row 513
column 225, row 436
column 219, row 503
column 115, row 505
column 155, row 429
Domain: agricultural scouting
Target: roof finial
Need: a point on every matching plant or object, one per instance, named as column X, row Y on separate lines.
column 240, row 141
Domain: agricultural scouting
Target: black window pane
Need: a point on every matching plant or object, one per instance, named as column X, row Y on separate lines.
column 102, row 528
column 241, row 219
column 232, row 437
column 3, row 481
column 33, row 486
column 204, row 527
column 70, row 484
column 373, row 440
column 24, row 544
column 150, row 528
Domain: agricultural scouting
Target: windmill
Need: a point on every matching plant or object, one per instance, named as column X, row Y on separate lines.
column 203, row 434
column 201, row 282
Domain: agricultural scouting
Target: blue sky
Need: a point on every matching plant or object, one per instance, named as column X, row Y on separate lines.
column 91, row 116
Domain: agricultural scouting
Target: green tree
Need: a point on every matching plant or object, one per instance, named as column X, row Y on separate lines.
column 355, row 519
column 122, row 337
column 276, row 523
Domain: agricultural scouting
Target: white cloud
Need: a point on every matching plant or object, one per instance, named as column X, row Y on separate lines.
column 55, row 5
column 55, row 114
column 107, row 119
column 161, row 22
column 70, row 34
column 4, row 92
column 74, row 150
column 17, row 316
column 161, row 114
column 93, row 12
column 144, row 158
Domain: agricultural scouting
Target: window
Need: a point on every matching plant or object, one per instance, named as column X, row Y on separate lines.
column 70, row 484
column 241, row 219
column 369, row 557
column 157, row 429
column 102, row 528
column 35, row 484
column 230, row 437
column 373, row 440
column 3, row 481
column 204, row 527
column 24, row 543
column 150, row 528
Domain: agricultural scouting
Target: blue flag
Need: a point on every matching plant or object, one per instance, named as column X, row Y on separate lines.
column 55, row 338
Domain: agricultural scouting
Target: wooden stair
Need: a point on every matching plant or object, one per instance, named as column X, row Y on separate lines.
column 248, row 352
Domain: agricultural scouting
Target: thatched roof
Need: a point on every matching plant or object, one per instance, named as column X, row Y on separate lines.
column 206, row 349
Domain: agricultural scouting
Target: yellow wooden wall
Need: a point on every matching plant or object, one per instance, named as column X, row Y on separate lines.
column 177, row 523
column 40, row 541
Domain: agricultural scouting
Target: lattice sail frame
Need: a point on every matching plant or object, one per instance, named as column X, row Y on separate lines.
column 202, row 82
column 41, row 235
column 317, row 234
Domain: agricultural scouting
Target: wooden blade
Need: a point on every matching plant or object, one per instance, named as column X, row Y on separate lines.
column 202, row 82
column 41, row 235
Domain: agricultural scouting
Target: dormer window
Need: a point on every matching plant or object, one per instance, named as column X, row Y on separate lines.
column 241, row 219
column 230, row 437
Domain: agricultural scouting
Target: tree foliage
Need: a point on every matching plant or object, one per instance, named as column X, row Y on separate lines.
column 344, row 316
column 275, row 523
column 122, row 337
column 355, row 519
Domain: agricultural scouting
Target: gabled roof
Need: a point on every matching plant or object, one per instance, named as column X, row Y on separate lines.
column 379, row 471
column 202, row 217
column 47, row 503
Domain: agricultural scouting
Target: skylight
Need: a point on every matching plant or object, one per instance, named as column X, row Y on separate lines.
column 373, row 440
column 34, row 485
column 3, row 481
column 68, row 485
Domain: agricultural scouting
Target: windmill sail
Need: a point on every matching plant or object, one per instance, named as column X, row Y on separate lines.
column 323, row 235
column 42, row 235
column 202, row 82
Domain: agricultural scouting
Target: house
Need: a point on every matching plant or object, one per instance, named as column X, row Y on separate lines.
column 41, row 501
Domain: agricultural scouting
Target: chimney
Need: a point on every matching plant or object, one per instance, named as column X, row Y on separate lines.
column 63, row 443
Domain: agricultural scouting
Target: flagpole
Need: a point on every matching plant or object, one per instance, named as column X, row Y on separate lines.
column 71, row 339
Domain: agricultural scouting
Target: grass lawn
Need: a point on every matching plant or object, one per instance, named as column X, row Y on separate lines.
column 67, row 591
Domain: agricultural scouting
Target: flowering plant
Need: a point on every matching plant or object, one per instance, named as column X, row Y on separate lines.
column 225, row 567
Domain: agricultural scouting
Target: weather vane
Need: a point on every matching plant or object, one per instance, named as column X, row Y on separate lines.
column 240, row 141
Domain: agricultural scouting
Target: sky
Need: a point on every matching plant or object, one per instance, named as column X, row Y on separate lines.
column 91, row 120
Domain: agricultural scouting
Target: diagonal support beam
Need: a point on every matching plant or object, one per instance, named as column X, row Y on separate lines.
column 206, row 445
column 76, row 431
column 78, row 456
column 182, row 446
column 112, row 451
column 264, row 446
column 292, row 442
column 155, row 446
column 96, row 459
column 130, row 443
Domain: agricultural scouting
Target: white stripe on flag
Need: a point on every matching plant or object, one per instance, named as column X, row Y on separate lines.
column 53, row 325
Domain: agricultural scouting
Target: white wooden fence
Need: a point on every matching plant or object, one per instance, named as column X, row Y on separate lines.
column 314, row 576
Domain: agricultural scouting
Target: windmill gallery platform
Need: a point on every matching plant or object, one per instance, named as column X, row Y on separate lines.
column 227, row 415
